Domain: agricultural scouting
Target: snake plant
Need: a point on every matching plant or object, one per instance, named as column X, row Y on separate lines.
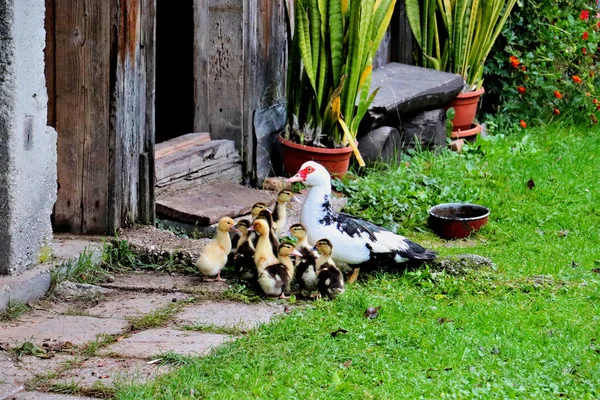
column 330, row 66
column 457, row 35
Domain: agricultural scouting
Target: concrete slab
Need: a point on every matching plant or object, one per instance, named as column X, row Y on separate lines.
column 13, row 373
column 42, row 327
column 8, row 391
column 19, row 371
column 47, row 396
column 124, row 304
column 29, row 286
column 66, row 246
column 206, row 204
column 228, row 314
column 157, row 282
column 147, row 344
column 111, row 371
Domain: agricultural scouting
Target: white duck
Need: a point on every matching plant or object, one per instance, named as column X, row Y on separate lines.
column 356, row 242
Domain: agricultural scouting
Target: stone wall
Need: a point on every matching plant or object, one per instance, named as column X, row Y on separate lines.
column 27, row 145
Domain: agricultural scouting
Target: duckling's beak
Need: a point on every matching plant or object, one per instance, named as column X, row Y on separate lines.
column 296, row 253
column 251, row 229
column 315, row 248
column 234, row 229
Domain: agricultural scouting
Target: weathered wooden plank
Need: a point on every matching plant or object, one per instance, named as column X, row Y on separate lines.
column 147, row 213
column 82, row 93
column 211, row 168
column 202, row 31
column 192, row 159
column 180, row 143
column 96, row 145
column 129, row 115
column 383, row 54
column 50, row 67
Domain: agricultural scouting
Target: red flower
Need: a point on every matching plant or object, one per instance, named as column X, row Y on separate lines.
column 585, row 36
column 584, row 50
column 594, row 119
column 523, row 68
column 514, row 61
column 521, row 90
column 576, row 79
column 592, row 74
column 557, row 94
column 585, row 15
column 556, row 111
column 595, row 102
column 523, row 124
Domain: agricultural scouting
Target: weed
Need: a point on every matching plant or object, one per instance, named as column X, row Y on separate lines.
column 86, row 268
column 226, row 330
column 45, row 254
column 102, row 340
column 239, row 292
column 175, row 359
column 14, row 309
column 156, row 318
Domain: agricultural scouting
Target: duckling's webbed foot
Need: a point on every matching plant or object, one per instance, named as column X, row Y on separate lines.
column 354, row 276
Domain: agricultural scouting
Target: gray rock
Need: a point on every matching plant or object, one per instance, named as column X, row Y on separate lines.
column 426, row 127
column 71, row 290
column 461, row 264
column 380, row 144
column 405, row 88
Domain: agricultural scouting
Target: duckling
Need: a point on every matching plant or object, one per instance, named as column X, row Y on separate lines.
column 275, row 279
column 263, row 254
column 214, row 256
column 256, row 208
column 280, row 210
column 330, row 281
column 244, row 254
column 306, row 274
column 266, row 215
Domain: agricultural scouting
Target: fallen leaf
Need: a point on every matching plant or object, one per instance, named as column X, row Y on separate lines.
column 563, row 233
column 335, row 333
column 119, row 339
column 596, row 270
column 347, row 363
column 574, row 264
column 287, row 310
column 444, row 320
column 530, row 184
column 495, row 350
column 372, row 312
column 154, row 361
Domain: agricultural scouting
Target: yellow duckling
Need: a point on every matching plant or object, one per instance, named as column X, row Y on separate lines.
column 214, row 256
column 280, row 210
column 275, row 279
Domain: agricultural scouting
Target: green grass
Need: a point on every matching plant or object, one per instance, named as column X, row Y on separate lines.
column 13, row 310
column 529, row 328
column 155, row 318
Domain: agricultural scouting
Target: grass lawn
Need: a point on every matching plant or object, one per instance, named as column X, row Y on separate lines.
column 528, row 328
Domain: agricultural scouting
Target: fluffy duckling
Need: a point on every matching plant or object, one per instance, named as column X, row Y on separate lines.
column 214, row 256
column 243, row 260
column 256, row 208
column 275, row 279
column 306, row 273
column 266, row 215
column 280, row 210
column 330, row 281
column 263, row 254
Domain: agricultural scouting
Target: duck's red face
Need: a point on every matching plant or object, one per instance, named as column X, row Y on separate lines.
column 305, row 170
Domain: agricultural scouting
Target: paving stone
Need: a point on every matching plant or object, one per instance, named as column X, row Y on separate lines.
column 44, row 327
column 217, row 200
column 124, row 304
column 66, row 246
column 228, row 314
column 108, row 371
column 157, row 282
column 18, row 371
column 46, row 396
column 8, row 391
column 149, row 343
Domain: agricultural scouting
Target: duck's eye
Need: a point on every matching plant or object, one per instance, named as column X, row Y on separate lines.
column 310, row 169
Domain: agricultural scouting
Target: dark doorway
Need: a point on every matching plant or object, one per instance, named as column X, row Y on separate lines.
column 174, row 69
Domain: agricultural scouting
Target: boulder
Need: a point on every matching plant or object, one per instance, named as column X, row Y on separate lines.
column 380, row 144
column 426, row 127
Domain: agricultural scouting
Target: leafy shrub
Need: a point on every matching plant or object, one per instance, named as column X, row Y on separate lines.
column 546, row 64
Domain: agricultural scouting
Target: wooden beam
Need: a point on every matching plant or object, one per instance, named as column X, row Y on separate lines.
column 180, row 143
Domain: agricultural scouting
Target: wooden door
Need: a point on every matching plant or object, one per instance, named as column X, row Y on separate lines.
column 100, row 78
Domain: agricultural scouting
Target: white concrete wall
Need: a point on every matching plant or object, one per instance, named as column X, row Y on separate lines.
column 31, row 165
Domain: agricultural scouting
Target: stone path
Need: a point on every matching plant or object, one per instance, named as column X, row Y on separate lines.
column 85, row 345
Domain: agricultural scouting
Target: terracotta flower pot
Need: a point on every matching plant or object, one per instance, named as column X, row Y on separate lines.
column 470, row 133
column 465, row 108
column 336, row 161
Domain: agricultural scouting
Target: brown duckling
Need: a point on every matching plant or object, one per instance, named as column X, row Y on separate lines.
column 214, row 256
column 275, row 279
column 306, row 273
column 243, row 260
column 330, row 281
column 280, row 210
